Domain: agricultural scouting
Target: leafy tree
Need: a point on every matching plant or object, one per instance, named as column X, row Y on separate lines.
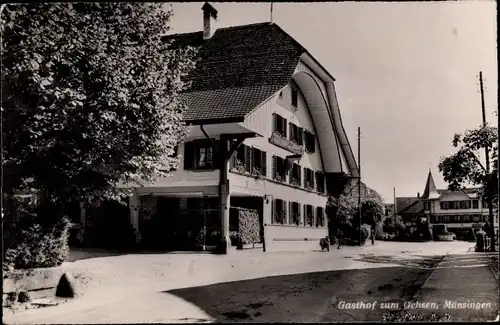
column 374, row 195
column 89, row 98
column 464, row 167
column 372, row 211
column 340, row 211
column 343, row 210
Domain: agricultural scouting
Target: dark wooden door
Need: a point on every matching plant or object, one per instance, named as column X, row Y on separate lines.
column 167, row 213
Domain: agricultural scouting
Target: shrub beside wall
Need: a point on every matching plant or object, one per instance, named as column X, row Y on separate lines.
column 32, row 245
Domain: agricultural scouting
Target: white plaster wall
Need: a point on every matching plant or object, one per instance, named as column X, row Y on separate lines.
column 261, row 120
column 182, row 177
column 456, row 196
column 240, row 184
column 302, row 67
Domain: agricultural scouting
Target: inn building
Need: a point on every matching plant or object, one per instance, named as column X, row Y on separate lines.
column 265, row 135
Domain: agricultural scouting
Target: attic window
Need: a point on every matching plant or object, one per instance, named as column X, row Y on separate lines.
column 295, row 96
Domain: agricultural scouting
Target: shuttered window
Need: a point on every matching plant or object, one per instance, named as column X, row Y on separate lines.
column 320, row 217
column 278, row 171
column 238, row 160
column 295, row 175
column 259, row 162
column 249, row 160
column 309, row 142
column 308, row 179
column 279, row 212
column 279, row 125
column 320, row 182
column 200, row 155
column 296, row 133
column 295, row 213
column 308, row 215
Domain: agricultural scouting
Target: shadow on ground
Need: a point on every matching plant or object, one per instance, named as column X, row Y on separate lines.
column 452, row 260
column 307, row 297
column 77, row 254
column 416, row 261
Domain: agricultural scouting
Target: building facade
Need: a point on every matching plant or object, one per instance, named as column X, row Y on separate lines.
column 458, row 211
column 265, row 135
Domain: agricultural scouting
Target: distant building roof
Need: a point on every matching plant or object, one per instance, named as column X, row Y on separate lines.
column 409, row 205
column 430, row 191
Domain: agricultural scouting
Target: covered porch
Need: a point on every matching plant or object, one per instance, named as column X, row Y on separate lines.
column 188, row 218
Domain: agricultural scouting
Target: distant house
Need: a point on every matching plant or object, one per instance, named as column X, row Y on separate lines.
column 457, row 210
column 409, row 209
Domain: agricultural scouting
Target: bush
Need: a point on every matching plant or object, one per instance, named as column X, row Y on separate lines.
column 35, row 246
column 400, row 227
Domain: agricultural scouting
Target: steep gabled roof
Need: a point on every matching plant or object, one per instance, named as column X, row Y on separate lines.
column 430, row 191
column 260, row 57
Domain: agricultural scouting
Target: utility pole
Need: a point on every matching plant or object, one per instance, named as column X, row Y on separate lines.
column 487, row 153
column 271, row 12
column 359, row 182
column 395, row 206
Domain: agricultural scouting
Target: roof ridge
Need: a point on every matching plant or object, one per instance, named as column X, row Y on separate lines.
column 181, row 34
column 244, row 26
column 222, row 28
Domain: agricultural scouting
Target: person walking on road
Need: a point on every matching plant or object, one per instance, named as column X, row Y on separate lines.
column 340, row 238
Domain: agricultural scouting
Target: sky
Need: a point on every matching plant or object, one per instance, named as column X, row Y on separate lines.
column 406, row 74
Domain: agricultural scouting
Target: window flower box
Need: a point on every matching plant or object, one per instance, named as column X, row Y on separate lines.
column 239, row 166
column 280, row 217
column 296, row 219
column 256, row 172
column 279, row 178
column 278, row 134
column 295, row 182
column 310, row 187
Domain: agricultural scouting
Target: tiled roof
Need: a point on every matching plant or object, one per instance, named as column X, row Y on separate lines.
column 260, row 58
column 409, row 205
column 225, row 103
column 468, row 190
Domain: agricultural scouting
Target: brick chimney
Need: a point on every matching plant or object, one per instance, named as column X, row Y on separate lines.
column 418, row 195
column 209, row 19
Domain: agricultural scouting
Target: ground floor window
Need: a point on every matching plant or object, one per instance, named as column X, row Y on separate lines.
column 279, row 212
column 309, row 215
column 295, row 213
column 320, row 217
